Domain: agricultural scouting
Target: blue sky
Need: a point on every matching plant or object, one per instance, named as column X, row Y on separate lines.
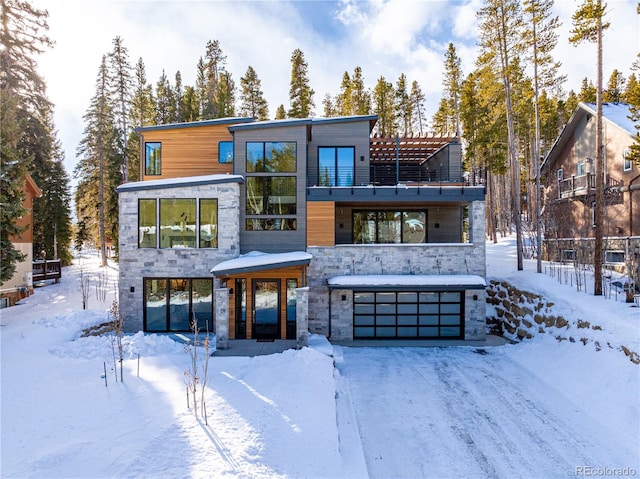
column 383, row 37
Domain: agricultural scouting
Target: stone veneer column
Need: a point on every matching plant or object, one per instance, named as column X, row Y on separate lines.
column 302, row 317
column 222, row 318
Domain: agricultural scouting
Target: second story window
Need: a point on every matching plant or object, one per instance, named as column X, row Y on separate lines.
column 225, row 152
column 271, row 157
column 626, row 160
column 336, row 166
column 580, row 171
column 153, row 158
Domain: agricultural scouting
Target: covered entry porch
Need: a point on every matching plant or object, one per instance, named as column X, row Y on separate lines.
column 260, row 296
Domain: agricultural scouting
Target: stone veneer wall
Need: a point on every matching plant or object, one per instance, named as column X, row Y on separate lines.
column 138, row 263
column 430, row 258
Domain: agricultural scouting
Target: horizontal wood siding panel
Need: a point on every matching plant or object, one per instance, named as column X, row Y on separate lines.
column 321, row 220
column 189, row 151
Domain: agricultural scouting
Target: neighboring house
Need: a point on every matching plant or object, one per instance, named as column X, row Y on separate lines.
column 569, row 169
column 21, row 283
column 301, row 224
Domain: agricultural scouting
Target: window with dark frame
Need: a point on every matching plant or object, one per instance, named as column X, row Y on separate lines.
column 225, row 152
column 389, row 226
column 336, row 166
column 152, row 158
column 170, row 304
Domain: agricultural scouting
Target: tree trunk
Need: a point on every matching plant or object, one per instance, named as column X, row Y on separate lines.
column 599, row 179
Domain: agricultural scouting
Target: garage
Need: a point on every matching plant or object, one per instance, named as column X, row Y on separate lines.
column 407, row 306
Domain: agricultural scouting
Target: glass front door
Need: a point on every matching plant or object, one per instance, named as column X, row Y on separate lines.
column 266, row 309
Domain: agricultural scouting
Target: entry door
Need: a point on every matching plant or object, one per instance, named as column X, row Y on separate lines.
column 266, row 309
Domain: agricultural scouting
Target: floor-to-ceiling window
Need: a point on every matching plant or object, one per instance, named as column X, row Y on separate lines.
column 336, row 166
column 171, row 304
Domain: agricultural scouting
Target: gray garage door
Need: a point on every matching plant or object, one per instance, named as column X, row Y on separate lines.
column 408, row 314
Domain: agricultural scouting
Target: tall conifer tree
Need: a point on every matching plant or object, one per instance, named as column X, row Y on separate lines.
column 252, row 101
column 301, row 102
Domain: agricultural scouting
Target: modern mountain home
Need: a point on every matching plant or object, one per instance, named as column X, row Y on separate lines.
column 269, row 230
column 569, row 169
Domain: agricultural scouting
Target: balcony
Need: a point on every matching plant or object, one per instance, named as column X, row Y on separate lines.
column 576, row 186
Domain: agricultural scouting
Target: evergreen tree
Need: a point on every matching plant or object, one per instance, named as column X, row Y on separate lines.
column 632, row 96
column 190, row 108
column 417, row 99
column 588, row 25
column 121, row 91
column 615, row 88
column 344, row 101
column 252, row 101
column 300, row 93
column 441, row 122
column 143, row 104
column 361, row 97
column 164, row 99
column 452, row 83
column 96, row 152
column 214, row 66
column 328, row 106
column 587, row 92
column 201, row 88
column 175, row 110
column 281, row 113
column 23, row 102
column 225, row 97
column 403, row 105
column 384, row 101
column 541, row 38
column 500, row 42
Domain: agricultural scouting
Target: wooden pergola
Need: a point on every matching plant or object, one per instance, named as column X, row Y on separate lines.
column 409, row 149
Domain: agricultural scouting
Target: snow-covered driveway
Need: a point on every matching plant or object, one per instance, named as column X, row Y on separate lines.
column 467, row 412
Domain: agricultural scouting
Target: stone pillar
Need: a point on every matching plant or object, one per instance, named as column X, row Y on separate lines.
column 302, row 317
column 222, row 318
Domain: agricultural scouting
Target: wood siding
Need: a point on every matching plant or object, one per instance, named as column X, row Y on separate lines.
column 321, row 221
column 187, row 151
column 282, row 274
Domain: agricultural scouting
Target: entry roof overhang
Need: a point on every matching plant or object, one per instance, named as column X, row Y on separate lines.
column 259, row 261
column 407, row 282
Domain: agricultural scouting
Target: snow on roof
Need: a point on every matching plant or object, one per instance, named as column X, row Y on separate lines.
column 404, row 280
column 617, row 113
column 258, row 260
column 179, row 182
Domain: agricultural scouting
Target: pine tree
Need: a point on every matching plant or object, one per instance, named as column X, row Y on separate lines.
column 361, row 97
column 344, row 100
column 164, row 100
column 500, row 41
column 190, row 108
column 121, row 91
column 201, row 88
column 328, row 106
column 96, row 151
column 300, row 92
column 22, row 102
column 541, row 38
column 588, row 92
column 225, row 97
column 452, row 83
column 615, row 88
column 403, row 105
column 214, row 66
column 632, row 96
column 252, row 101
column 417, row 99
column 176, row 113
column 588, row 25
column 281, row 113
column 384, row 101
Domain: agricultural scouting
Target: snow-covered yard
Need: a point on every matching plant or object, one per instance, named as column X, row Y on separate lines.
column 541, row 408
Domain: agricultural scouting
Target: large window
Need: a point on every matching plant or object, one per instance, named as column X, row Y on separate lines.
column 147, row 221
column 170, row 304
column 336, row 166
column 271, row 195
column 225, row 152
column 152, row 158
column 389, row 226
column 181, row 222
column 408, row 314
column 271, row 157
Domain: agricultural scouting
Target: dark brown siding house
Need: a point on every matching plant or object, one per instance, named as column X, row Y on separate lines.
column 569, row 170
column 313, row 225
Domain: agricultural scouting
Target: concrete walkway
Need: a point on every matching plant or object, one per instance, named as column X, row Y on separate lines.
column 253, row 347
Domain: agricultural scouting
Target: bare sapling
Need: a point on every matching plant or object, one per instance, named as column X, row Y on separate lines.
column 101, row 286
column 84, row 284
column 206, row 343
column 191, row 375
column 117, row 344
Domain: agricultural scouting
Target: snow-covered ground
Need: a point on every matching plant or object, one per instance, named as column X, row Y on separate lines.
column 541, row 408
